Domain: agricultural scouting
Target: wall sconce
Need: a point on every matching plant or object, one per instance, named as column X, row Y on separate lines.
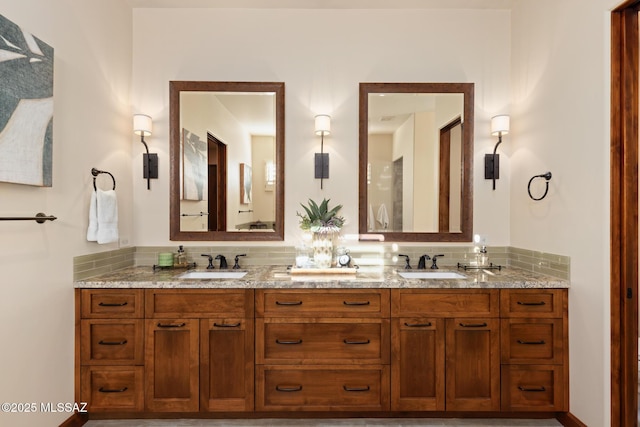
column 142, row 127
column 323, row 127
column 499, row 127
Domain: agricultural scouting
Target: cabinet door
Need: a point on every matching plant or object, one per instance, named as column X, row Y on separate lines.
column 417, row 367
column 472, row 364
column 226, row 364
column 171, row 365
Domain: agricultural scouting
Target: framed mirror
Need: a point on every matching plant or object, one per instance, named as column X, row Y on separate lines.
column 416, row 161
column 226, row 160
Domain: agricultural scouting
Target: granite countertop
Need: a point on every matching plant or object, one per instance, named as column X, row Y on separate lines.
column 264, row 277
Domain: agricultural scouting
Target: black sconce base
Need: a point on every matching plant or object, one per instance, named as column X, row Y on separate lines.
column 489, row 167
column 150, row 166
column 321, row 165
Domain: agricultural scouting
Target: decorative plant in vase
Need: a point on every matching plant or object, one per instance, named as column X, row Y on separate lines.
column 324, row 224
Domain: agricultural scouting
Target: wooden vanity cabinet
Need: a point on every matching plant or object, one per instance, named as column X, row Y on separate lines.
column 199, row 350
column 445, row 350
column 110, row 349
column 534, row 334
column 322, row 350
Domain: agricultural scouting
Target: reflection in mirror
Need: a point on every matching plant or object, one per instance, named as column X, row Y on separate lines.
column 227, row 161
column 416, row 149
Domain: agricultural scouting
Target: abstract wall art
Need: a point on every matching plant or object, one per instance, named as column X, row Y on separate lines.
column 194, row 166
column 26, row 107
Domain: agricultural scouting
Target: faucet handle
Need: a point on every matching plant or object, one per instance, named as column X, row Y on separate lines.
column 434, row 258
column 210, row 266
column 407, row 265
column 223, row 261
column 236, row 259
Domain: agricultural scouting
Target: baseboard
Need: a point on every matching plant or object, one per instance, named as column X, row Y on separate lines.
column 567, row 419
column 76, row 420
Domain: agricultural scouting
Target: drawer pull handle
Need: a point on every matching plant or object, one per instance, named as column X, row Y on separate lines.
column 279, row 341
column 226, row 325
column 171, row 325
column 529, row 388
column 288, row 302
column 473, row 325
column 356, row 302
column 289, row 388
column 417, row 325
column 348, row 388
column 123, row 342
column 357, row 342
column 109, row 304
column 531, row 342
column 532, row 303
column 108, row 390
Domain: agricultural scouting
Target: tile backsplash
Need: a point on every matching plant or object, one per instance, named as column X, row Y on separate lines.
column 373, row 254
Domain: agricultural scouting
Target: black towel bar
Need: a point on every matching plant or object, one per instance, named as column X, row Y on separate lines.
column 39, row 218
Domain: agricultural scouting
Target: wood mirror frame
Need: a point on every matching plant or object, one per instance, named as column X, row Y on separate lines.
column 466, row 220
column 175, row 87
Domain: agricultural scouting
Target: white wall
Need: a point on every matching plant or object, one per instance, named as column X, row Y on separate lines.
column 560, row 116
column 92, row 128
column 321, row 55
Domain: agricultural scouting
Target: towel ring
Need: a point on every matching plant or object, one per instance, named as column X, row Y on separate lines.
column 95, row 172
column 547, row 177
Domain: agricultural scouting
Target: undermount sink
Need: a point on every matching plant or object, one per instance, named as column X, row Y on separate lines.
column 431, row 275
column 213, row 275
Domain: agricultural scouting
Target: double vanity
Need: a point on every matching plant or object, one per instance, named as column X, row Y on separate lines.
column 269, row 343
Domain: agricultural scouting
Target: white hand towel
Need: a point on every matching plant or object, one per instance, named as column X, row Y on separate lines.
column 107, row 216
column 92, row 231
column 383, row 216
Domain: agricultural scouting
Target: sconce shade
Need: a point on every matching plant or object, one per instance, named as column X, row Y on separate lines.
column 142, row 124
column 323, row 124
column 500, row 125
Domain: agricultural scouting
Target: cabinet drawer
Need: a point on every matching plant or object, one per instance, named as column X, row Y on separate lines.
column 112, row 303
column 298, row 388
column 111, row 342
column 533, row 388
column 445, row 302
column 323, row 303
column 198, row 303
column 324, row 341
column 537, row 341
column 533, row 302
column 112, row 388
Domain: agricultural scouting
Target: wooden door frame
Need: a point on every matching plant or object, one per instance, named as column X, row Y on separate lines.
column 624, row 213
column 221, row 182
column 444, row 184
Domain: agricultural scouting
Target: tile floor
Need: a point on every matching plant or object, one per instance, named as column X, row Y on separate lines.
column 353, row 422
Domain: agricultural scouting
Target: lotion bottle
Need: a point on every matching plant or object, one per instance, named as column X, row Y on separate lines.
column 181, row 257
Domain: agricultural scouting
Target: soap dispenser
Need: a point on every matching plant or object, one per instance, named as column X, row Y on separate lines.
column 181, row 257
column 482, row 257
